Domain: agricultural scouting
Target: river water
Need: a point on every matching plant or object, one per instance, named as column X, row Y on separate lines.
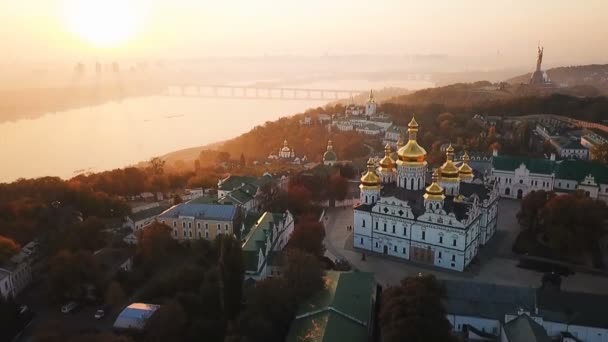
column 122, row 133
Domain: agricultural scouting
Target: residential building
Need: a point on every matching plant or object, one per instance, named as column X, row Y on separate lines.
column 141, row 219
column 441, row 224
column 243, row 191
column 392, row 135
column 16, row 273
column 194, row 221
column 263, row 244
column 342, row 311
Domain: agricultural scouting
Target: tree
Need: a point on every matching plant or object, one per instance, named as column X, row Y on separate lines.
column 413, row 311
column 157, row 165
column 574, row 223
column 167, row 323
column 70, row 274
column 600, row 153
column 531, row 206
column 115, row 295
column 299, row 199
column 270, row 310
column 242, row 160
column 177, row 199
column 154, row 244
column 308, row 236
column 338, row 187
column 232, row 272
column 9, row 316
column 303, row 273
column 8, row 248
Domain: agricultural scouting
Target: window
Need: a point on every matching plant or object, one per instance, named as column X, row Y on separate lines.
column 183, row 224
column 361, row 241
column 521, row 181
column 206, row 225
column 206, row 234
column 174, row 224
column 439, row 255
column 376, row 244
column 454, row 242
column 376, row 225
column 423, row 235
column 363, row 224
column 184, row 233
column 453, row 257
column 189, row 224
column 218, row 227
column 393, row 229
column 395, row 248
column 404, row 231
column 385, row 227
column 198, row 225
column 441, row 239
column 190, row 233
column 403, row 250
column 175, row 233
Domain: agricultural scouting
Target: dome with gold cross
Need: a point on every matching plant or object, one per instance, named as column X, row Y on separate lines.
column 465, row 171
column 449, row 171
column 434, row 192
column 370, row 179
column 387, row 163
column 412, row 152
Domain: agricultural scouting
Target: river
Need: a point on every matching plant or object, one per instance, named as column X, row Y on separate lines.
column 123, row 133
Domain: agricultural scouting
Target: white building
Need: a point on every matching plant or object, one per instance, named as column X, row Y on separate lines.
column 518, row 176
column 264, row 242
column 16, row 273
column 392, row 135
column 483, row 311
column 329, row 157
column 286, row 152
column 371, row 106
column 442, row 224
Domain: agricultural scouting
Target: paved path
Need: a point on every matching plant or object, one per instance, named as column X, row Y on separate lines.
column 495, row 264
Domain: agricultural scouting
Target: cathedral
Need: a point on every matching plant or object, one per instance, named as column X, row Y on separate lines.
column 443, row 223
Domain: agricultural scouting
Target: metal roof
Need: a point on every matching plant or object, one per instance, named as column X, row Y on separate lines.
column 218, row 212
column 135, row 316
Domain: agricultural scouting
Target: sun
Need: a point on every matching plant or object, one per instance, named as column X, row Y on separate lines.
column 103, row 23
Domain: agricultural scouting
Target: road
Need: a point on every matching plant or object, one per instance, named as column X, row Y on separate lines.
column 494, row 264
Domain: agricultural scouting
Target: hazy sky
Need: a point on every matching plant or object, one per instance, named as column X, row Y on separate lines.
column 573, row 32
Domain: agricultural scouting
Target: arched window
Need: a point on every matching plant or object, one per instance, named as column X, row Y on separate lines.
column 365, row 198
column 419, row 186
column 411, row 183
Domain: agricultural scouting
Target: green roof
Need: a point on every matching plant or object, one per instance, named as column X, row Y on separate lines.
column 535, row 165
column 238, row 196
column 525, row 329
column 579, row 169
column 144, row 214
column 341, row 312
column 257, row 238
column 234, row 182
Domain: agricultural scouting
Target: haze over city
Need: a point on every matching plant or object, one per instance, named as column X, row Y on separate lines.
column 303, row 171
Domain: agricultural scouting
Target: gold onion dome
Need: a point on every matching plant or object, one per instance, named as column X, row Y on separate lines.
column 412, row 152
column 434, row 191
column 370, row 179
column 387, row 162
column 449, row 171
column 465, row 171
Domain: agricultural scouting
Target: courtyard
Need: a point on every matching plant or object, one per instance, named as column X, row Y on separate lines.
column 494, row 264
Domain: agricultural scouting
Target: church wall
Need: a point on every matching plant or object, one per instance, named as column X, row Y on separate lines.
column 491, row 326
column 509, row 182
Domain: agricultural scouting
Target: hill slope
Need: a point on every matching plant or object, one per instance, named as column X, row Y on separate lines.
column 595, row 75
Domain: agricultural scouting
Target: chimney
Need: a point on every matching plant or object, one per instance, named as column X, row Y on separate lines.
column 552, row 157
column 495, row 152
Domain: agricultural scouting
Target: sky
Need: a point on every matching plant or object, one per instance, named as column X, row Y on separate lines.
column 573, row 32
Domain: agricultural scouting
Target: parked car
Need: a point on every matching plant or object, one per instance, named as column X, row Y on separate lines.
column 99, row 314
column 69, row 307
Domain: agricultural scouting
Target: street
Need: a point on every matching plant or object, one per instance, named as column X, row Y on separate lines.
column 495, row 262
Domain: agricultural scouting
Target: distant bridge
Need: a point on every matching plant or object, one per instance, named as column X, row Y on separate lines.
column 259, row 92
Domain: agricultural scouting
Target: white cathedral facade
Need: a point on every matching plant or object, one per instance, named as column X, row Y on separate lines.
column 443, row 223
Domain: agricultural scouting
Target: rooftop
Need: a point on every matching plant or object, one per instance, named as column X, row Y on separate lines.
column 147, row 213
column 201, row 211
column 135, row 316
column 535, row 165
column 579, row 169
column 257, row 239
column 341, row 312
column 525, row 329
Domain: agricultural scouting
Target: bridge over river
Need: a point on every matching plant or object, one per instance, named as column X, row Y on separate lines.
column 259, row 92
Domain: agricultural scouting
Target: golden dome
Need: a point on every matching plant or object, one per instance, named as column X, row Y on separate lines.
column 449, row 171
column 412, row 152
column 434, row 191
column 387, row 162
column 465, row 171
column 370, row 180
column 285, row 146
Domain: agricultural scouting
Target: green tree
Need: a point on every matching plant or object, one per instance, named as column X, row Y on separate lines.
column 115, row 295
column 71, row 272
column 154, row 244
column 338, row 187
column 412, row 311
column 232, row 272
column 531, row 206
column 9, row 316
column 157, row 165
column 308, row 236
column 303, row 273
column 167, row 323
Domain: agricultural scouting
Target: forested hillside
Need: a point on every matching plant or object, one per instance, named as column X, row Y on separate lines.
column 595, row 75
